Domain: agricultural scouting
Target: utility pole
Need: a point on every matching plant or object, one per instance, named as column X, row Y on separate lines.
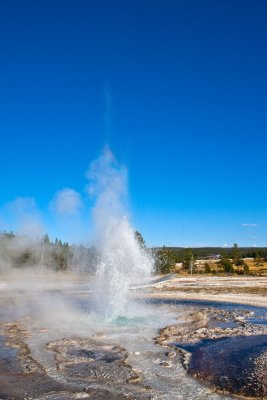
column 191, row 264
column 41, row 263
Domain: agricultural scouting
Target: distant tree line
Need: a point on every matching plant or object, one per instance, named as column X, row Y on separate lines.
column 18, row 251
column 231, row 259
column 205, row 252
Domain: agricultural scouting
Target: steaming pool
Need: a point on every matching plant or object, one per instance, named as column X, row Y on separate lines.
column 54, row 345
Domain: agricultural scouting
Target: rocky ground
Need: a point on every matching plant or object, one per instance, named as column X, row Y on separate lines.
column 196, row 339
column 80, row 369
column 211, row 323
column 39, row 362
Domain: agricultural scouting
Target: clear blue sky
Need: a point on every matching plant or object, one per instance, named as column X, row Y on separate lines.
column 188, row 110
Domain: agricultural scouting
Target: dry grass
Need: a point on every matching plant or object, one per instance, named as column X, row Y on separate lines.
column 257, row 269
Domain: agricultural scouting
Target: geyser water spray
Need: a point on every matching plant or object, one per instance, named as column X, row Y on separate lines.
column 122, row 261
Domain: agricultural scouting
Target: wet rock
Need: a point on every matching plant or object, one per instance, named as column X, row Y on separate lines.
column 93, row 361
column 20, row 375
column 201, row 331
column 165, row 364
column 170, row 354
column 196, row 329
column 64, row 396
column 79, row 363
column 134, row 379
column 89, row 394
column 259, row 378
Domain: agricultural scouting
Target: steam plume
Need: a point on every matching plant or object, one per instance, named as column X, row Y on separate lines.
column 122, row 261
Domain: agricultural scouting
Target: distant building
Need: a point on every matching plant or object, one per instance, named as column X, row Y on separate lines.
column 178, row 267
column 214, row 257
column 211, row 262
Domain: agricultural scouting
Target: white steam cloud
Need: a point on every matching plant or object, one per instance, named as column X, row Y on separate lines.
column 66, row 202
column 23, row 215
column 22, row 205
column 108, row 184
column 249, row 225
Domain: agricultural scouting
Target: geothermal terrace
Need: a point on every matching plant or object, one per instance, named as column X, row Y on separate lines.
column 247, row 290
column 180, row 338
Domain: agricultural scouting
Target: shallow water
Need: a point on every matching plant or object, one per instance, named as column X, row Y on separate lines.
column 214, row 304
column 8, row 357
column 230, row 363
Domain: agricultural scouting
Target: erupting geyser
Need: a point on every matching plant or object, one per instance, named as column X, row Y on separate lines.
column 122, row 260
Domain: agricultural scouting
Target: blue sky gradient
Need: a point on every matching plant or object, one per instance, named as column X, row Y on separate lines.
column 187, row 112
